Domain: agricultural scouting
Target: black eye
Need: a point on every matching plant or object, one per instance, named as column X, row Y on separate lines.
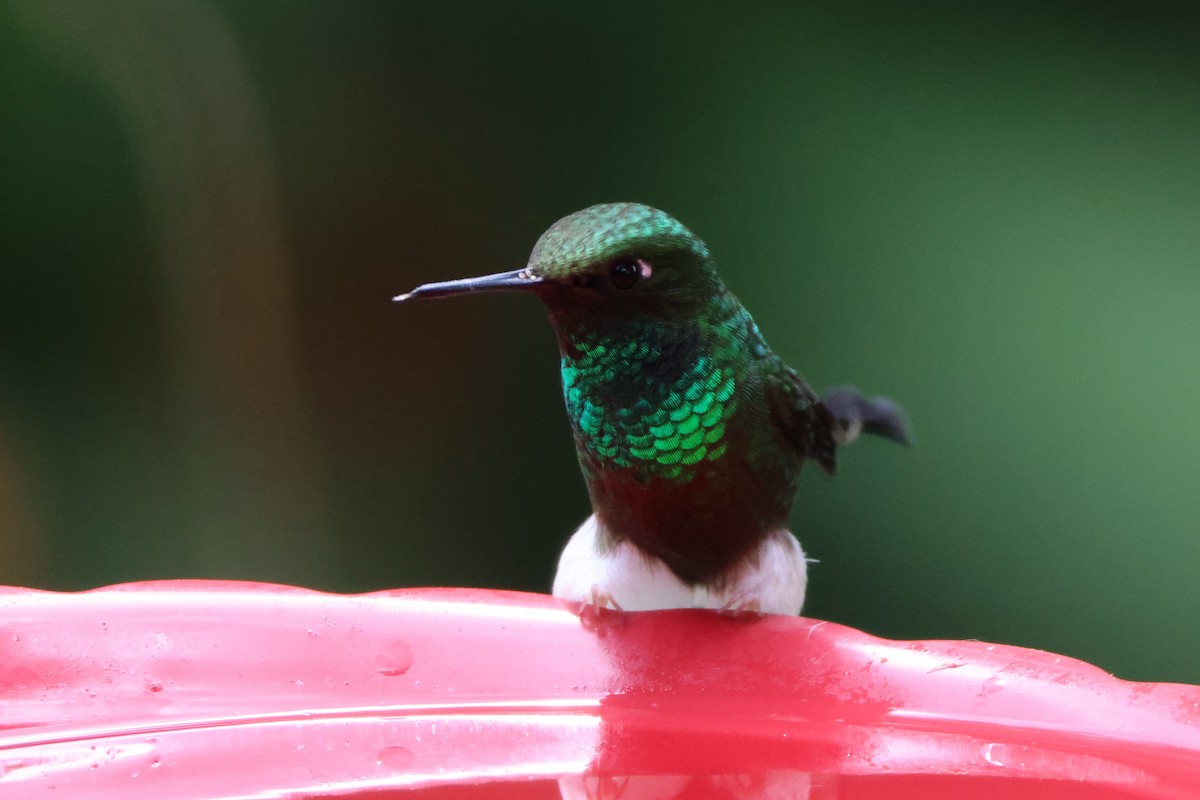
column 625, row 274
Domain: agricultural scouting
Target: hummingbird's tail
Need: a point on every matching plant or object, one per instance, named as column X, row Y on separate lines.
column 854, row 414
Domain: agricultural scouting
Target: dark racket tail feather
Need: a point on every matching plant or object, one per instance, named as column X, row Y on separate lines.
column 852, row 414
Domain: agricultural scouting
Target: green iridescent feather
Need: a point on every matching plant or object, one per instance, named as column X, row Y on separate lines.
column 625, row 415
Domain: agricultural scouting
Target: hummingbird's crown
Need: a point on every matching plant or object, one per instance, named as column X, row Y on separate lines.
column 604, row 232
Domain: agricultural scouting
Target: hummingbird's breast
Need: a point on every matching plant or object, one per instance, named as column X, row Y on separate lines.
column 675, row 439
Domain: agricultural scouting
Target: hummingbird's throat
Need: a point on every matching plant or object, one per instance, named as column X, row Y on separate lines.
column 656, row 407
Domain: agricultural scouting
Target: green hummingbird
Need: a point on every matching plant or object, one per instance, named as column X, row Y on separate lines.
column 690, row 431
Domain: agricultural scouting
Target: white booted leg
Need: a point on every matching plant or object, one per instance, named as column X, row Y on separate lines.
column 621, row 573
column 772, row 581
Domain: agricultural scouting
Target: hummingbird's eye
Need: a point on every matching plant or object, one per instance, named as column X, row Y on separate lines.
column 627, row 272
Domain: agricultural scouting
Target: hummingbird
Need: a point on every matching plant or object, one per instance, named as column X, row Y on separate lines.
column 690, row 431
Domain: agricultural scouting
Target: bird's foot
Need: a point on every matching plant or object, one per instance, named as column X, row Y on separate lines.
column 602, row 599
column 747, row 608
column 600, row 611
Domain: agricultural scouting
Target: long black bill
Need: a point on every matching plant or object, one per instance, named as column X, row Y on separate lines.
column 515, row 281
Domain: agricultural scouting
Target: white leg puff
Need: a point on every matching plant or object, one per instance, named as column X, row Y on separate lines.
column 771, row 581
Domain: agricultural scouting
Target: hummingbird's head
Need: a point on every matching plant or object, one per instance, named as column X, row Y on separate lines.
column 616, row 260
column 624, row 259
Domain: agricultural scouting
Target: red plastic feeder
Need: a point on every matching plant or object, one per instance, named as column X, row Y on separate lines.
column 195, row 689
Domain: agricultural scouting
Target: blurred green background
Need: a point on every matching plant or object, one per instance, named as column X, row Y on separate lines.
column 991, row 214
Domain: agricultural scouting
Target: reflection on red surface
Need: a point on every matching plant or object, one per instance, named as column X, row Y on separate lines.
column 221, row 690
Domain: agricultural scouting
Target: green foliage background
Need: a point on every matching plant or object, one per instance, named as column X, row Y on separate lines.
column 988, row 212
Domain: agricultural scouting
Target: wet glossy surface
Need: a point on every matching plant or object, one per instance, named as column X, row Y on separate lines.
column 208, row 689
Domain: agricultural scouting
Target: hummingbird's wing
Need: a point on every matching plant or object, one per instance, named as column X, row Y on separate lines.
column 802, row 418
